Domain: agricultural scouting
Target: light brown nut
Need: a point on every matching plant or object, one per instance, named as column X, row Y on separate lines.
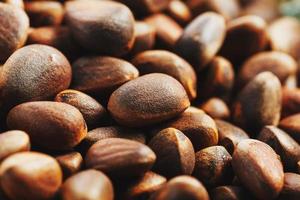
column 216, row 108
column 70, row 163
column 30, row 175
column 147, row 100
column 291, row 187
column 51, row 125
column 230, row 193
column 291, row 125
column 258, row 168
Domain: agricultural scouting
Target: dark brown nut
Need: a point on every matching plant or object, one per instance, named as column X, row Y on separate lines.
column 147, row 100
column 258, row 168
column 202, row 39
column 44, row 13
column 290, row 101
column 216, row 108
column 55, row 36
column 228, row 9
column 144, row 187
column 280, row 64
column 172, row 146
column 163, row 24
column 143, row 7
column 283, row 145
column 213, row 166
column 108, row 22
column 51, row 125
column 291, row 125
column 14, row 24
column 182, row 187
column 30, row 175
column 179, row 11
column 290, row 42
column 161, row 61
column 88, row 184
column 92, row 111
column 230, row 193
column 259, row 103
column 70, row 163
column 266, row 9
column 101, row 133
column 33, row 73
column 18, row 3
column 144, row 37
column 101, row 74
column 120, row 158
column 197, row 126
column 291, row 187
column 217, row 80
column 245, row 36
column 230, row 135
column 13, row 142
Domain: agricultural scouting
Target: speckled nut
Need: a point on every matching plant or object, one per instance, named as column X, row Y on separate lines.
column 182, row 187
column 32, row 73
column 14, row 24
column 172, row 146
column 255, row 156
column 88, row 184
column 197, row 44
column 161, row 61
column 149, row 99
column 120, row 158
column 92, row 111
column 213, row 166
column 52, row 125
column 30, row 175
column 101, row 74
column 259, row 103
column 101, row 26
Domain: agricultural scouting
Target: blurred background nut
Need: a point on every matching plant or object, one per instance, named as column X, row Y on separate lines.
column 70, row 163
column 14, row 24
column 30, row 175
column 216, row 108
column 172, row 146
column 88, row 184
column 182, row 187
column 291, row 187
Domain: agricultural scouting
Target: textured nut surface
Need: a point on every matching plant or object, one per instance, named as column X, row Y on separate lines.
column 258, row 168
column 149, row 99
column 101, row 74
column 52, row 125
column 110, row 22
column 161, row 61
column 120, row 157
column 202, row 39
column 89, row 184
column 30, row 175
column 14, row 24
column 33, row 73
column 172, row 146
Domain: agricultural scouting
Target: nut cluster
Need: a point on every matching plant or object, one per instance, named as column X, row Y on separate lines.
column 149, row 100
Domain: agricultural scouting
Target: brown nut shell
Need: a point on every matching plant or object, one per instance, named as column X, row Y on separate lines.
column 216, row 108
column 161, row 61
column 291, row 125
column 291, row 187
column 258, row 168
column 108, row 22
column 92, row 111
column 120, row 158
column 149, row 99
column 52, row 125
column 89, row 184
column 33, row 73
column 70, row 163
column 230, row 193
column 172, row 146
column 202, row 39
column 30, row 175
column 14, row 24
